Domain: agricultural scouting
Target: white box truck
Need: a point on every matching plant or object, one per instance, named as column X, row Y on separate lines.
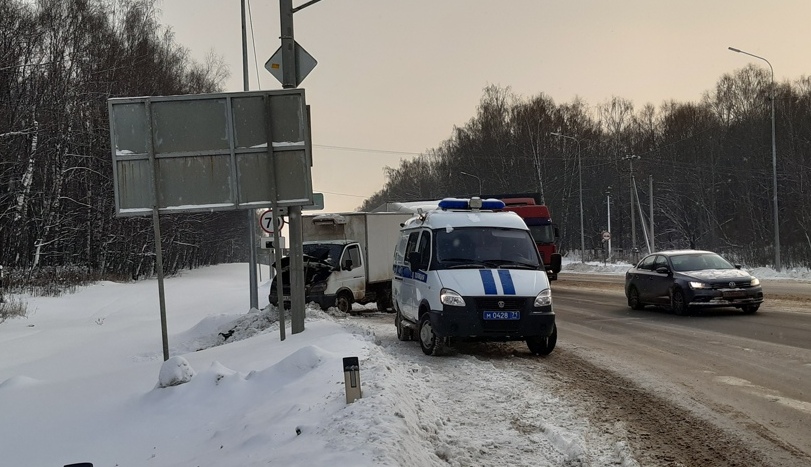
column 347, row 259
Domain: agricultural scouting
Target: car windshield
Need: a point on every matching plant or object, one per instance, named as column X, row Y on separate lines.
column 485, row 246
column 698, row 262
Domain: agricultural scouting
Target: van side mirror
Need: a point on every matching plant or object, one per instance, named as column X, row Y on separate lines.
column 414, row 260
column 347, row 265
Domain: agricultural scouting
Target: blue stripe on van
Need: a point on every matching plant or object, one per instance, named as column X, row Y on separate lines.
column 488, row 282
column 506, row 282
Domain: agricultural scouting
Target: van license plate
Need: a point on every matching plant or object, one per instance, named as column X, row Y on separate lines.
column 499, row 315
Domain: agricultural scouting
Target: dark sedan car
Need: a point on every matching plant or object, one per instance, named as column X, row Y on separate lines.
column 684, row 279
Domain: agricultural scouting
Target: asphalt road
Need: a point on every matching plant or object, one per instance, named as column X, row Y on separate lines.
column 747, row 374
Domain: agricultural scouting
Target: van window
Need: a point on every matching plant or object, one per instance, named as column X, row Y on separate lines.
column 353, row 253
column 424, row 248
column 399, row 251
column 412, row 243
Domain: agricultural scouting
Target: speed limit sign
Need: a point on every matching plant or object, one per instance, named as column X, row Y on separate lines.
column 266, row 221
column 606, row 235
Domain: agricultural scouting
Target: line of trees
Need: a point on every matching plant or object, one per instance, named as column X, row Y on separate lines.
column 710, row 162
column 60, row 60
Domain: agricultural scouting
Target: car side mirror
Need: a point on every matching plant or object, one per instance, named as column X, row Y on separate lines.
column 663, row 270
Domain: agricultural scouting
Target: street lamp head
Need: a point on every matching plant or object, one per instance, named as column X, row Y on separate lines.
column 734, row 49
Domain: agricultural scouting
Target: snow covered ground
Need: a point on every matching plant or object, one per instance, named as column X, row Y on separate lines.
column 79, row 383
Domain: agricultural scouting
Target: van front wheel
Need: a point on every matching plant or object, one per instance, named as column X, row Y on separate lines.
column 344, row 302
column 431, row 344
column 543, row 345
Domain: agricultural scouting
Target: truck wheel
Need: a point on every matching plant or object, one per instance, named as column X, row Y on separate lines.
column 431, row 344
column 403, row 332
column 344, row 303
column 543, row 345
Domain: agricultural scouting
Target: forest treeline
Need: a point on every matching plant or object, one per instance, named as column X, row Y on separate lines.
column 60, row 60
column 710, row 164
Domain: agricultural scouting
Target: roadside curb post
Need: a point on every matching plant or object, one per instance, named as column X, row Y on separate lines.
column 352, row 379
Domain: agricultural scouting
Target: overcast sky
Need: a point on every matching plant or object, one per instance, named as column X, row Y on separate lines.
column 395, row 76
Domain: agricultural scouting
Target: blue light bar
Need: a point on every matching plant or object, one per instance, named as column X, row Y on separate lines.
column 454, row 203
column 464, row 204
column 492, row 203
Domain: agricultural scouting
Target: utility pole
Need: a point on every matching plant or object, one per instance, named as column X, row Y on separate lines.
column 290, row 79
column 652, row 243
column 630, row 158
column 254, row 298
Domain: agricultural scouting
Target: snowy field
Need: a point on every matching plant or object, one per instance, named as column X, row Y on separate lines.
column 79, row 383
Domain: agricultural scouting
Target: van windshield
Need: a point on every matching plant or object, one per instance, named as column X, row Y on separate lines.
column 484, row 247
column 328, row 253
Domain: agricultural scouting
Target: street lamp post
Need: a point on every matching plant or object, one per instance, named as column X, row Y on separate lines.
column 580, row 182
column 608, row 208
column 477, row 178
column 630, row 158
column 777, row 265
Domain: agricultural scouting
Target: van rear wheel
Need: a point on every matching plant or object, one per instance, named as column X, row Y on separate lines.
column 403, row 332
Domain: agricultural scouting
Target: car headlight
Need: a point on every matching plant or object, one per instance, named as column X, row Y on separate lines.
column 700, row 285
column 543, row 299
column 451, row 298
column 755, row 281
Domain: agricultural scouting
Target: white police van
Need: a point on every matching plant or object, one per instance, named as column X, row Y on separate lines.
column 466, row 272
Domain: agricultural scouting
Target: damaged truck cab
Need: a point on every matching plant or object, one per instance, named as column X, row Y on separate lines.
column 347, row 259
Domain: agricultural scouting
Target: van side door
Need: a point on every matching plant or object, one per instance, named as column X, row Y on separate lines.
column 408, row 292
column 352, row 271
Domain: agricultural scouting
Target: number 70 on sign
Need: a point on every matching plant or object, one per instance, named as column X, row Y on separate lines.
column 266, row 221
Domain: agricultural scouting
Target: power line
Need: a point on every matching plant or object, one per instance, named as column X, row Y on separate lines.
column 253, row 42
column 380, row 151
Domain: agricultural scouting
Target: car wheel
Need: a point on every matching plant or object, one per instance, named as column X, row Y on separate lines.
column 543, row 345
column 403, row 332
column 431, row 344
column 344, row 303
column 633, row 299
column 749, row 309
column 678, row 304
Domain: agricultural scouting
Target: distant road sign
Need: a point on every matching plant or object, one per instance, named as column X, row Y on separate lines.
column 606, row 235
column 318, row 202
column 304, row 64
column 266, row 221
